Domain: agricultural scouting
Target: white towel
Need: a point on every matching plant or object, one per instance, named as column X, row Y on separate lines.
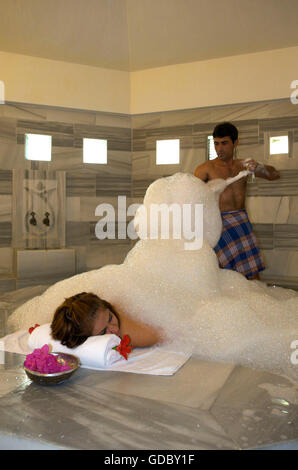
column 96, row 351
column 157, row 360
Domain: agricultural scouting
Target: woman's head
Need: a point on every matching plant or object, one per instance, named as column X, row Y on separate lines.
column 81, row 316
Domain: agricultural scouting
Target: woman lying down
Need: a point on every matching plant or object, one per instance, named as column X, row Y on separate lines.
column 85, row 314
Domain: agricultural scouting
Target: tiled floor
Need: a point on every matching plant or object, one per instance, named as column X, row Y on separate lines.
column 203, row 406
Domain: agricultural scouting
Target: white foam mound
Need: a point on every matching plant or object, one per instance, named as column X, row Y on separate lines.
column 217, row 314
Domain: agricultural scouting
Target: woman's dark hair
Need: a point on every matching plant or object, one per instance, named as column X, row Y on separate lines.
column 226, row 129
column 74, row 319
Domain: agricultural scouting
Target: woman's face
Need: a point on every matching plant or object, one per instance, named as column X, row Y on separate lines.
column 105, row 322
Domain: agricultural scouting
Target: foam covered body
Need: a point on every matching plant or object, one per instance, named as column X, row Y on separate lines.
column 213, row 313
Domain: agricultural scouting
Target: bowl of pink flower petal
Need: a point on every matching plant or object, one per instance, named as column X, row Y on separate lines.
column 47, row 368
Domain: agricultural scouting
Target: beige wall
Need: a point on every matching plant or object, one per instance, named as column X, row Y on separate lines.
column 237, row 79
column 50, row 82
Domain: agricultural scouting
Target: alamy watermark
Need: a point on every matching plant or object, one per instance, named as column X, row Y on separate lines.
column 2, row 92
column 294, row 94
column 162, row 221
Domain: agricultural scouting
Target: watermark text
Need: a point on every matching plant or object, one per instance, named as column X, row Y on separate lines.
column 160, row 221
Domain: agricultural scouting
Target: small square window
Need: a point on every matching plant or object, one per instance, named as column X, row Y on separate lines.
column 95, row 151
column 279, row 145
column 168, row 152
column 38, row 147
column 211, row 152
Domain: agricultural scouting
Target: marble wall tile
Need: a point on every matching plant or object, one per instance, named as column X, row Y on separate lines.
column 140, row 186
column 140, row 164
column 6, row 260
column 71, row 116
column 80, row 255
column 254, row 151
column 118, row 138
column 119, row 162
column 286, row 236
column 77, row 233
column 43, row 264
column 99, row 255
column 190, row 159
column 259, row 110
column 284, row 162
column 39, row 281
column 146, row 139
column 293, row 210
column 248, row 131
column 144, row 164
column 5, row 208
column 5, row 234
column 73, row 209
column 7, row 285
column 215, row 114
column 89, row 204
column 12, row 156
column 80, row 183
column 268, row 210
column 279, row 123
column 66, row 159
column 5, row 182
column 8, row 130
column 287, row 185
column 264, row 234
column 145, row 121
column 280, row 262
column 113, row 185
column 62, row 133
column 185, row 117
column 287, row 282
column 23, row 111
column 113, row 120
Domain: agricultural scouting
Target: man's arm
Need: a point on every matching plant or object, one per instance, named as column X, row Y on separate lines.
column 202, row 172
column 262, row 171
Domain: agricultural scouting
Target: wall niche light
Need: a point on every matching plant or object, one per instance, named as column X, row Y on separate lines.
column 168, row 152
column 38, row 147
column 95, row 151
column 211, row 152
column 279, row 145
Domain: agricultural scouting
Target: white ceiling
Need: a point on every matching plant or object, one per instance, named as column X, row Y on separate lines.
column 138, row 34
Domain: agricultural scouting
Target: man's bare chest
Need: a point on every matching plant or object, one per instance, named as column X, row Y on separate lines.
column 223, row 172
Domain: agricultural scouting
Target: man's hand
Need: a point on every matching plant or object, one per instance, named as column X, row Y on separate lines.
column 250, row 165
column 262, row 171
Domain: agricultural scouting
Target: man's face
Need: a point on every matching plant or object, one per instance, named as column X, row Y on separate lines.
column 224, row 147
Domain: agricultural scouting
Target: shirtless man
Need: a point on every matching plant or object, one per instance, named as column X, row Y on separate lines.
column 237, row 248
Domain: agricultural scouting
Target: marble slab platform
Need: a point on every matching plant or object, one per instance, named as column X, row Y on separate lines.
column 204, row 406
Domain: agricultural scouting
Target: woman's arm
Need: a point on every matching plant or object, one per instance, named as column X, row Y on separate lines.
column 141, row 335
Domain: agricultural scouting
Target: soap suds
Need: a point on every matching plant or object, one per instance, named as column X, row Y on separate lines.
column 216, row 314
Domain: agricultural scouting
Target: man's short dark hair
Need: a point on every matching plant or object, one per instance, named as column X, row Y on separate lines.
column 226, row 129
